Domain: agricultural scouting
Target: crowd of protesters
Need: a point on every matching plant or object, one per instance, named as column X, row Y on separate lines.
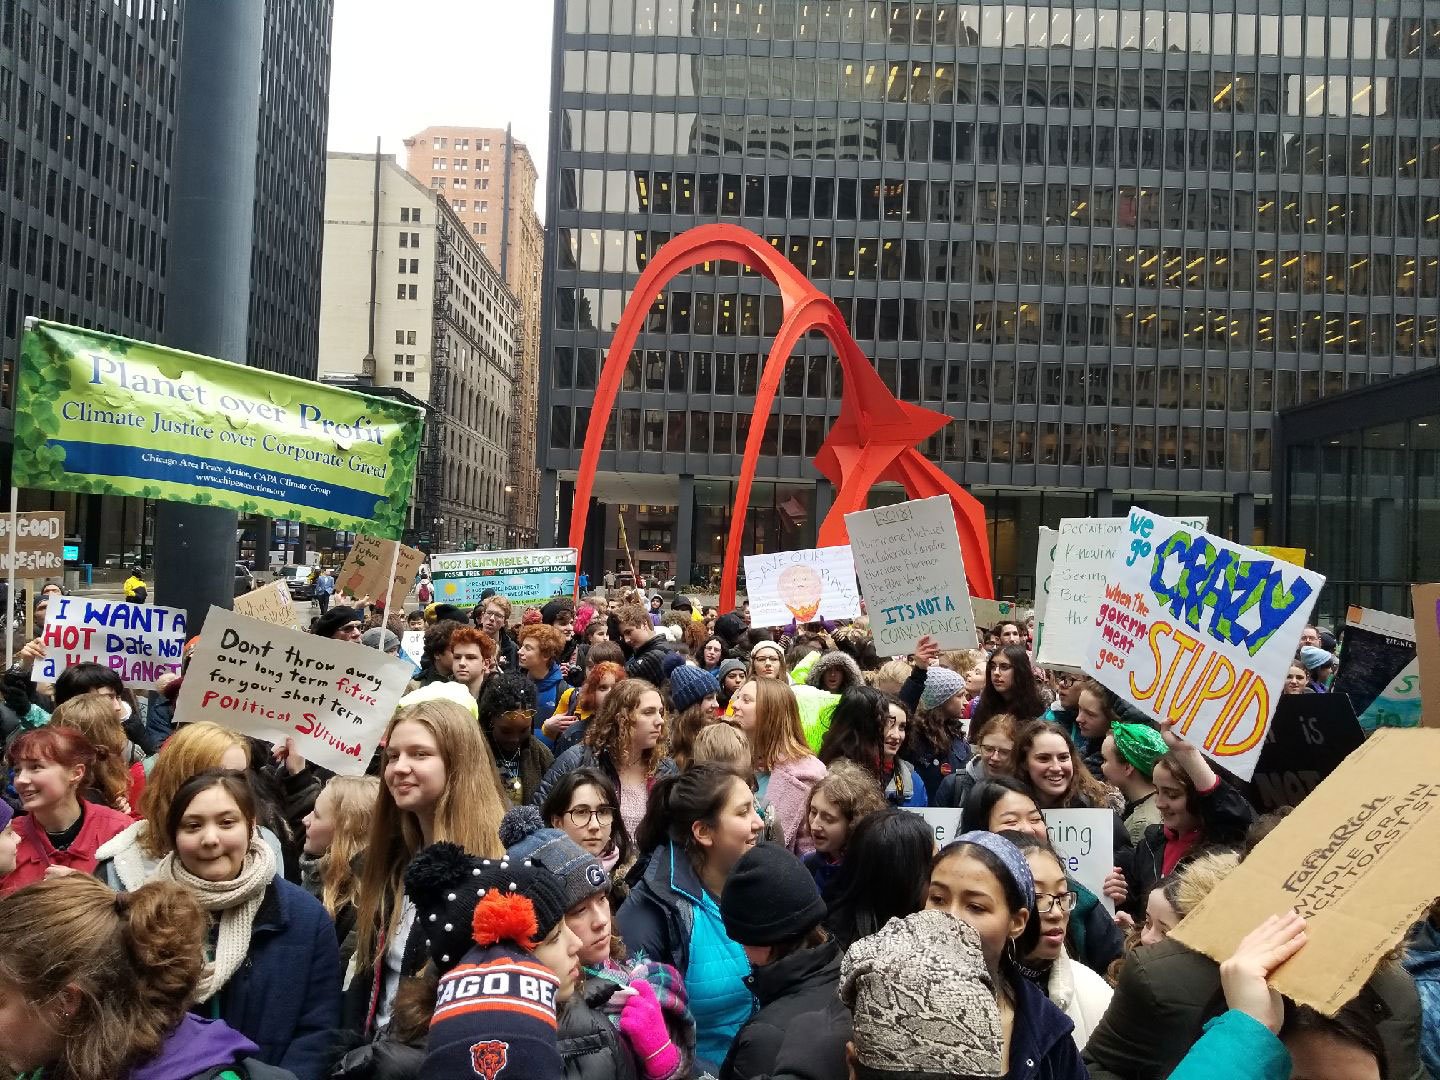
column 637, row 838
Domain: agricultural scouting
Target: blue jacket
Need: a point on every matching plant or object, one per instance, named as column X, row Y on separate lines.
column 905, row 788
column 1422, row 961
column 1042, row 1042
column 286, row 995
column 1237, row 1046
column 670, row 918
column 547, row 692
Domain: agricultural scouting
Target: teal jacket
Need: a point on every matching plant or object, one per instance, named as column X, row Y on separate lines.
column 1238, row 1047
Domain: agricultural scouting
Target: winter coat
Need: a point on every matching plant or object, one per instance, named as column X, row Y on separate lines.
column 207, row 1049
column 534, row 762
column 904, row 787
column 832, row 661
column 822, row 869
column 935, row 765
column 590, row 1045
column 1042, row 1042
column 1139, row 816
column 647, row 662
column 381, row 1059
column 35, row 852
column 1167, row 993
column 1422, row 961
column 803, row 982
column 286, row 995
column 1237, row 1046
column 1225, row 815
column 547, row 692
column 814, row 1045
column 788, row 793
column 122, row 863
column 955, row 788
column 669, row 917
column 1080, row 994
column 507, row 652
column 586, row 757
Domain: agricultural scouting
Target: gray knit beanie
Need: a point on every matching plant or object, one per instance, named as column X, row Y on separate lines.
column 922, row 999
column 524, row 835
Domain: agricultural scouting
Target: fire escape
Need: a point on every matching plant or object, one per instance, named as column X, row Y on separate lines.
column 432, row 471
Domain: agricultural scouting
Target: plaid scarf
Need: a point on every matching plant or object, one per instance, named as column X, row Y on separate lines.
column 669, row 989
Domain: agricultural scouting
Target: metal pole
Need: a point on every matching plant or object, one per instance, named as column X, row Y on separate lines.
column 207, row 302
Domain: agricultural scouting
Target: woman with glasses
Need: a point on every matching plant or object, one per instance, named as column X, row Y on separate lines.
column 1080, row 993
column 994, row 744
column 583, row 804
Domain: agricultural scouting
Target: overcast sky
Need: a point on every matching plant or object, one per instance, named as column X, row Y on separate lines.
column 398, row 68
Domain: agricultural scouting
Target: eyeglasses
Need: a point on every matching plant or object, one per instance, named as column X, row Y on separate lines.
column 994, row 751
column 1062, row 679
column 1048, row 902
column 581, row 816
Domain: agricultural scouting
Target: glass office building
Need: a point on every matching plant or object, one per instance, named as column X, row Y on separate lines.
column 1109, row 241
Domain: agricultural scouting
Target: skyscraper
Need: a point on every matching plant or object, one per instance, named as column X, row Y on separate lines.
column 1108, row 242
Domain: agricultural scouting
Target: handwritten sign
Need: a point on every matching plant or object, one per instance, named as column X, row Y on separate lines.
column 1375, row 648
column 1201, row 631
column 1427, row 646
column 412, row 644
column 1294, row 556
column 1085, row 842
column 368, row 565
column 1083, row 553
column 270, row 603
column 1398, row 704
column 1310, row 735
column 1044, row 566
column 817, row 583
column 139, row 642
column 522, row 577
column 1356, row 858
column 39, row 543
column 333, row 698
column 944, row 820
column 912, row 575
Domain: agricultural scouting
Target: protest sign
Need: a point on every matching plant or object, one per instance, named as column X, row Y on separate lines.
column 912, row 575
column 39, row 543
column 1085, row 842
column 270, row 603
column 1084, row 550
column 139, row 642
column 522, row 577
column 943, row 819
column 333, row 698
column 412, row 644
column 1398, row 705
column 1427, row 644
column 816, row 583
column 1195, row 629
column 990, row 613
column 1294, row 556
column 1375, row 647
column 106, row 415
column 368, row 564
column 1310, row 735
column 1044, row 566
column 1356, row 859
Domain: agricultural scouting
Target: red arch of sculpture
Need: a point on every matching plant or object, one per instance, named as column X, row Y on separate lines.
column 872, row 440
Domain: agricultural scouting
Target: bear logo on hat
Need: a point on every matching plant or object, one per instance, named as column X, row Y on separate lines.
column 489, row 1059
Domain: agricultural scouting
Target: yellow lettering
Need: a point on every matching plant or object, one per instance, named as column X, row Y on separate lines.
column 1253, row 692
column 1157, row 630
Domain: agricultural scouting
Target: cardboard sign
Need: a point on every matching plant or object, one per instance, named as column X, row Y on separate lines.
column 1201, row 631
column 991, row 613
column 1085, row 842
column 1310, row 735
column 1375, row 647
column 270, row 603
column 139, row 642
column 522, row 577
column 39, row 543
column 1084, row 551
column 1357, row 859
column 1398, row 705
column 817, row 583
column 1427, row 646
column 912, row 575
column 333, row 698
column 368, row 564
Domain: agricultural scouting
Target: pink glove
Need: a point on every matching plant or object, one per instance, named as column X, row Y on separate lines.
column 643, row 1024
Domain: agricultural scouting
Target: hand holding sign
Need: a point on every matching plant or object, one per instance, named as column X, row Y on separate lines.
column 1245, row 976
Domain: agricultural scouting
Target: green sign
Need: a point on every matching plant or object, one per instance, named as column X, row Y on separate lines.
column 111, row 416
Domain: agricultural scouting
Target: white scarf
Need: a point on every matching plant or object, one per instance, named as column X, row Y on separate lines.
column 235, row 902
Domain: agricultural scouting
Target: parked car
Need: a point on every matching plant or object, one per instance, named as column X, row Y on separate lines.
column 244, row 579
column 297, row 580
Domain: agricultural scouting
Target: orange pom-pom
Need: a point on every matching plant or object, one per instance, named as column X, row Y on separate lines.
column 502, row 916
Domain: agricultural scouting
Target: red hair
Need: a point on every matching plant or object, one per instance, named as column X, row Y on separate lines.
column 468, row 635
column 54, row 742
column 606, row 669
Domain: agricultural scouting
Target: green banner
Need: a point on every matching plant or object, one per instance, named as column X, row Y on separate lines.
column 111, row 416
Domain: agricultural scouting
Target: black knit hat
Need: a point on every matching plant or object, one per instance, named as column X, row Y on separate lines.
column 551, row 611
column 334, row 619
column 446, row 886
column 770, row 897
column 505, row 692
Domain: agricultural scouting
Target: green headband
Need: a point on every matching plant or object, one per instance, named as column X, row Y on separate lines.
column 1139, row 745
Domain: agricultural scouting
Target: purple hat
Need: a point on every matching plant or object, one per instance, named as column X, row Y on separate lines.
column 7, row 813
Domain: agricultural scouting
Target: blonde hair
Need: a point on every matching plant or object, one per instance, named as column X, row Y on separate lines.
column 1199, row 876
column 722, row 744
column 93, row 715
column 352, row 804
column 132, row 959
column 851, row 788
column 193, row 749
column 891, row 676
column 961, row 661
column 778, row 736
column 468, row 814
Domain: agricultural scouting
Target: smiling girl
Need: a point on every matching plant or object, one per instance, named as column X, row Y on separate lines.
column 785, row 769
column 52, row 766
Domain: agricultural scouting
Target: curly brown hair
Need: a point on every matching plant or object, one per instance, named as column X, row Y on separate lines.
column 611, row 727
column 131, row 960
column 549, row 641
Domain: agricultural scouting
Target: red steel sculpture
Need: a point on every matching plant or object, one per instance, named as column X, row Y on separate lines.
column 872, row 440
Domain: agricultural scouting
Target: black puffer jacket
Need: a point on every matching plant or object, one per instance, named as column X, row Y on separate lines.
column 803, row 982
column 589, row 1043
column 1226, row 816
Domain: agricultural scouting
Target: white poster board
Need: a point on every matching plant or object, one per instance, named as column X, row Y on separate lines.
column 944, row 820
column 803, row 586
column 1083, row 553
column 1044, row 562
column 912, row 575
column 139, row 642
column 333, row 698
column 1085, row 842
column 1194, row 628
